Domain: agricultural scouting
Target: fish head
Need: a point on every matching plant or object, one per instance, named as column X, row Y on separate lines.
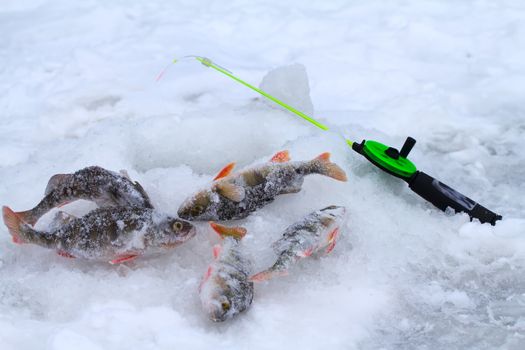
column 334, row 210
column 216, row 296
column 220, row 308
column 196, row 206
column 172, row 232
column 332, row 214
column 223, row 295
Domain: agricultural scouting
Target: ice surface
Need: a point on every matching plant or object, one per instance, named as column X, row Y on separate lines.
column 77, row 88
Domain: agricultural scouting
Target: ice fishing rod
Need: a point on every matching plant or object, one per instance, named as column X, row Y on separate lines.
column 388, row 159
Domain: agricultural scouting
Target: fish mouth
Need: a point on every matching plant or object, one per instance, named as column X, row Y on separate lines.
column 190, row 233
column 218, row 315
column 185, row 235
column 180, row 238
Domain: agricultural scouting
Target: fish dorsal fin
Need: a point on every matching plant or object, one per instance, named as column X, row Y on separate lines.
column 55, row 181
column 216, row 251
column 324, row 156
column 281, row 157
column 225, row 231
column 225, row 171
column 230, row 191
column 124, row 173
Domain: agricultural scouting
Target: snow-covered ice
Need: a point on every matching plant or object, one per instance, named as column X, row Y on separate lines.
column 77, row 88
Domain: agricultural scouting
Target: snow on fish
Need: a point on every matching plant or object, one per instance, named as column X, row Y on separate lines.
column 105, row 234
column 225, row 290
column 236, row 195
column 316, row 232
column 60, row 219
column 106, row 188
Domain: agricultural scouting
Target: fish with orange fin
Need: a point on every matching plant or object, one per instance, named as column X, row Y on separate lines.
column 106, row 234
column 225, row 290
column 106, row 188
column 234, row 195
column 316, row 232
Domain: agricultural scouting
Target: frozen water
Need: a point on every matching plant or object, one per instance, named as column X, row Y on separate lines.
column 289, row 83
column 77, row 88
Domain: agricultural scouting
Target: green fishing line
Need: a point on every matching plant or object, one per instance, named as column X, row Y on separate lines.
column 208, row 63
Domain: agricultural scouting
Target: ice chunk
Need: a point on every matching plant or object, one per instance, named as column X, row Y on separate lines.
column 290, row 85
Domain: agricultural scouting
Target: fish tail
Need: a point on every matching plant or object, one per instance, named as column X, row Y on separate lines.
column 224, row 231
column 324, row 166
column 47, row 203
column 14, row 224
column 267, row 274
column 27, row 217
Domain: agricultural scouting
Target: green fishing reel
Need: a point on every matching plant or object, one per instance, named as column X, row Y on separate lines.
column 387, row 158
column 396, row 163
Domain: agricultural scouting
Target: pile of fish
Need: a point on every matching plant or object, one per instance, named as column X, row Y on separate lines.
column 126, row 225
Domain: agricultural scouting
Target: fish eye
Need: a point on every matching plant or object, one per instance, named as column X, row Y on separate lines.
column 177, row 226
column 225, row 305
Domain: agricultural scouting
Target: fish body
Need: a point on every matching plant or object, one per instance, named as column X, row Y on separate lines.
column 107, row 234
column 316, row 232
column 225, row 290
column 237, row 195
column 105, row 188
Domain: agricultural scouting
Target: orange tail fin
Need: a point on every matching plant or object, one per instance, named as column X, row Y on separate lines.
column 225, row 231
column 330, row 169
column 13, row 223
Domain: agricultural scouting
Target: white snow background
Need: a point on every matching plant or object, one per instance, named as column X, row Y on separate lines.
column 77, row 88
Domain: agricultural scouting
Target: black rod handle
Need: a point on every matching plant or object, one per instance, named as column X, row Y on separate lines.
column 443, row 196
column 407, row 147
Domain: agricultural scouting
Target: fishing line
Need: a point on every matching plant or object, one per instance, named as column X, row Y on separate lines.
column 209, row 63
